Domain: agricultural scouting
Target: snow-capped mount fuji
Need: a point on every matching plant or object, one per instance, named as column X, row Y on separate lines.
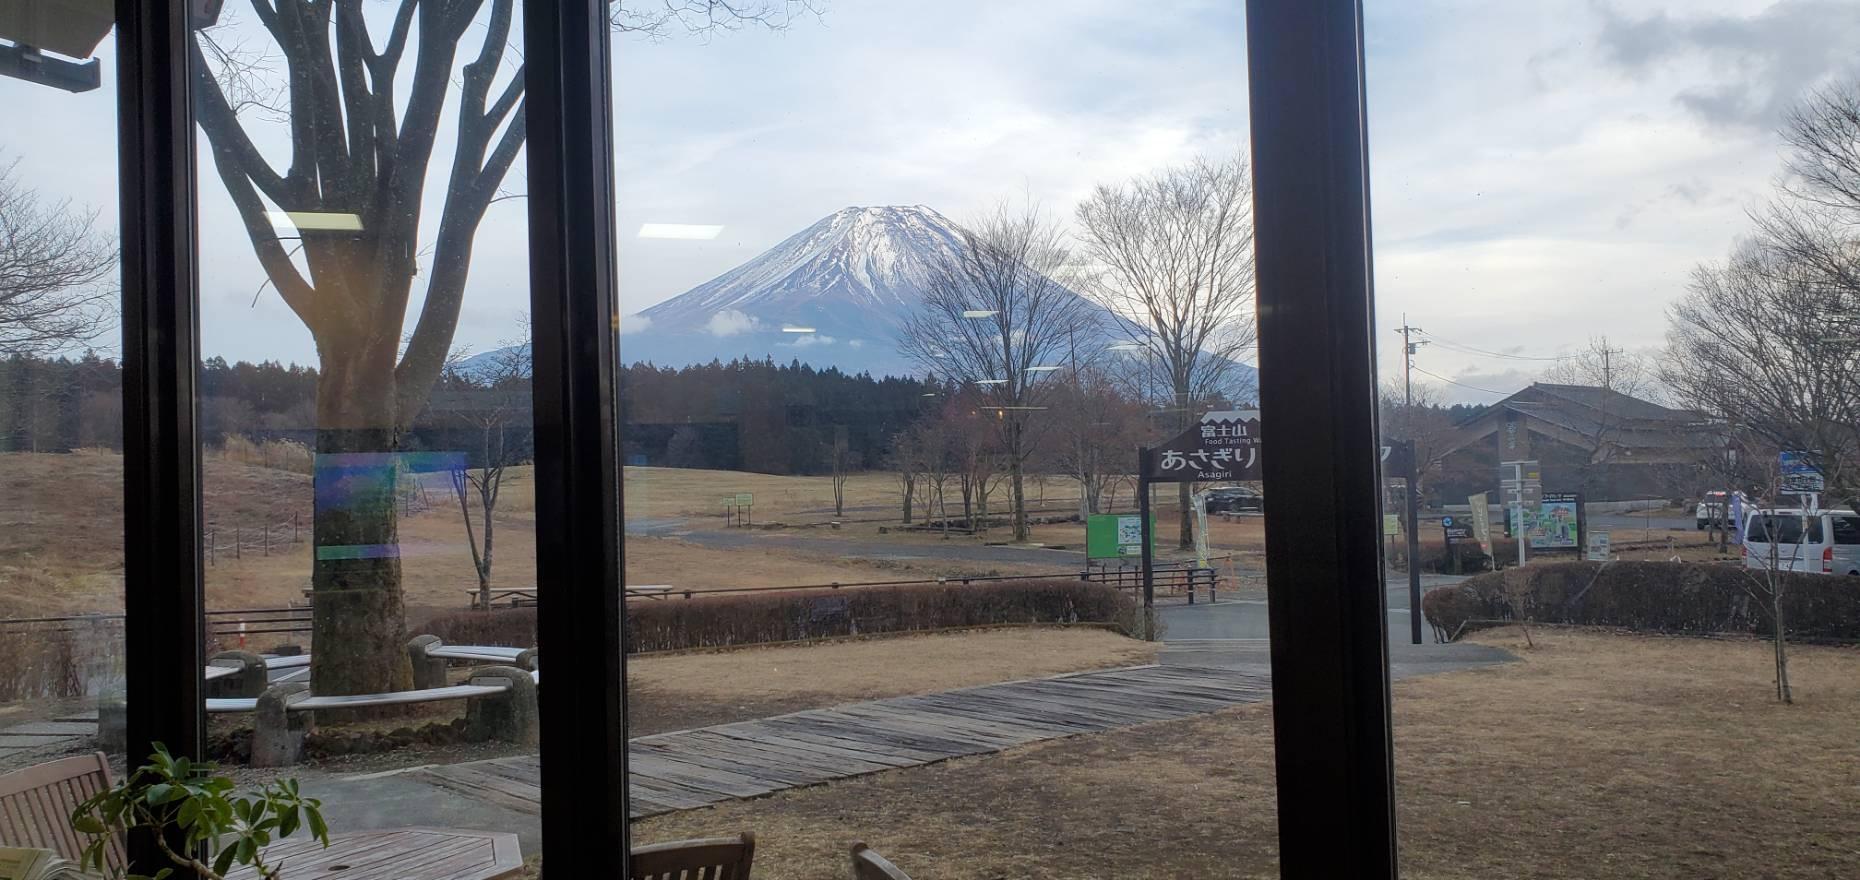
column 856, row 273
column 849, row 280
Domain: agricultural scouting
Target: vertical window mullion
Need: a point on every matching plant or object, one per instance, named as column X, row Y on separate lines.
column 1317, row 359
column 163, row 594
column 574, row 314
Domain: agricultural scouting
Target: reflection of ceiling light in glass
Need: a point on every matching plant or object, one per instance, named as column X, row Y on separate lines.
column 797, row 329
column 1126, row 346
column 979, row 313
column 689, row 231
column 314, row 221
column 1041, row 369
column 991, row 381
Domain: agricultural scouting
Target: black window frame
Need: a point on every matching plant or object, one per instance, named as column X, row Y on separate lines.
column 1317, row 360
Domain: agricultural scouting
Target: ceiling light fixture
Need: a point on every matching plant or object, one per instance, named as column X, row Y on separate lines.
column 314, row 221
column 685, row 231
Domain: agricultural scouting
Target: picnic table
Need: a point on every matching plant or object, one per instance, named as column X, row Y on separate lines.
column 397, row 854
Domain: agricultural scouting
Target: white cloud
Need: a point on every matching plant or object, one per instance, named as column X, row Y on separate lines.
column 813, row 339
column 630, row 324
column 729, row 322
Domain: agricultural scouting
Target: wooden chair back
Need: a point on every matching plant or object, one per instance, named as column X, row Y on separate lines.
column 711, row 858
column 868, row 865
column 36, row 805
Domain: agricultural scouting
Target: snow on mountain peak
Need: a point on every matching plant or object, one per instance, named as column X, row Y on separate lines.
column 861, row 268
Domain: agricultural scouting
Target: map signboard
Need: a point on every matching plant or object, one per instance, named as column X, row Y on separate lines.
column 1555, row 525
column 1217, row 450
column 1114, row 536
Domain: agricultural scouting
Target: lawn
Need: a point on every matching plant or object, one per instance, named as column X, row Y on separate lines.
column 61, row 539
column 1595, row 755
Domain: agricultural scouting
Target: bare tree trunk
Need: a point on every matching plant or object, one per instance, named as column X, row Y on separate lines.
column 1016, row 472
column 359, row 621
column 488, row 495
column 1782, row 655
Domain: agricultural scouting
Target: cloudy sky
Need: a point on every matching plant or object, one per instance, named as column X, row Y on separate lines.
column 1543, row 173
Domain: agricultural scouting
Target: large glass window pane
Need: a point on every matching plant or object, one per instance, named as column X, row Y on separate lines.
column 904, row 288
column 61, row 429
column 366, row 418
column 1618, row 242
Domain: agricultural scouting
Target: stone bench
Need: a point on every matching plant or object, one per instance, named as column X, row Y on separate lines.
column 430, row 655
column 500, row 704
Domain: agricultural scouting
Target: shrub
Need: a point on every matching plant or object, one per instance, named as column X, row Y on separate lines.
column 1664, row 597
column 47, row 662
column 284, row 455
column 754, row 618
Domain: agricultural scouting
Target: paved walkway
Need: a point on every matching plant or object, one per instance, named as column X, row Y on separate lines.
column 697, row 768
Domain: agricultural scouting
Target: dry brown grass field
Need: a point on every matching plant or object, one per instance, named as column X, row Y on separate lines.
column 1594, row 755
column 61, row 535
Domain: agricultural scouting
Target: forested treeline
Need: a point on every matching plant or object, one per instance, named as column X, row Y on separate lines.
column 759, row 416
column 741, row 415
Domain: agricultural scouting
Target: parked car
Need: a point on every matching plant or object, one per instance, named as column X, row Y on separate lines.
column 1821, row 542
column 1714, row 510
column 1235, row 499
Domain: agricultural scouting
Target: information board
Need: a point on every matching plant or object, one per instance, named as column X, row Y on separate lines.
column 1115, row 535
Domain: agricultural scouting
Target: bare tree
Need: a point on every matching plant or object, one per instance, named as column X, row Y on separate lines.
column 1768, row 584
column 1750, row 345
column 491, row 398
column 934, row 448
column 842, row 459
column 56, row 273
column 1425, row 423
column 906, row 460
column 997, row 316
column 353, row 182
column 1174, row 253
column 1100, row 428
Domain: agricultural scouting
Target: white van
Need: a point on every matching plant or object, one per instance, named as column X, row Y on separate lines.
column 1823, row 542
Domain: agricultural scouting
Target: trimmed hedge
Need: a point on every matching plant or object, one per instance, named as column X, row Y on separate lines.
column 1665, row 597
column 755, row 618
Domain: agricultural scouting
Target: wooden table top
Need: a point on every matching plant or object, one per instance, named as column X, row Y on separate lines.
column 396, row 854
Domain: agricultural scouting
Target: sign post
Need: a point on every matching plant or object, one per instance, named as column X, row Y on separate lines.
column 1214, row 451
column 1148, row 551
column 1522, row 482
column 1399, row 458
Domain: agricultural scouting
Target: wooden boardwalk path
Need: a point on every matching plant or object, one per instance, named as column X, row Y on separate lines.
column 696, row 768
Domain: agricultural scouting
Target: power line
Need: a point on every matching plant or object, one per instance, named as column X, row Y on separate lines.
column 1462, row 384
column 1467, row 349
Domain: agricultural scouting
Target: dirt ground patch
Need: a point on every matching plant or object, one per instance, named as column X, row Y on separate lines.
column 1595, row 755
column 679, row 691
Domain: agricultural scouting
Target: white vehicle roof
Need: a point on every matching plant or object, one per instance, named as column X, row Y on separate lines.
column 1797, row 511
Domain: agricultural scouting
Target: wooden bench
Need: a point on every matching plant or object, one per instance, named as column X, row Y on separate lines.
column 36, row 805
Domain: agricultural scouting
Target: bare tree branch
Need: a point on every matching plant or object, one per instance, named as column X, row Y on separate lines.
column 56, row 273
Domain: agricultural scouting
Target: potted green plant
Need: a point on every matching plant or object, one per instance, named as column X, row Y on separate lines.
column 200, row 824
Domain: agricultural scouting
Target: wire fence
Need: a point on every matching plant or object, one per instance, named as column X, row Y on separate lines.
column 264, row 539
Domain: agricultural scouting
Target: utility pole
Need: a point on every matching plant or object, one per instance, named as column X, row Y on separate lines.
column 1408, row 349
column 1413, row 505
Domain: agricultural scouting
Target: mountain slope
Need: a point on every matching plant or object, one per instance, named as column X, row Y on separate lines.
column 855, row 274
